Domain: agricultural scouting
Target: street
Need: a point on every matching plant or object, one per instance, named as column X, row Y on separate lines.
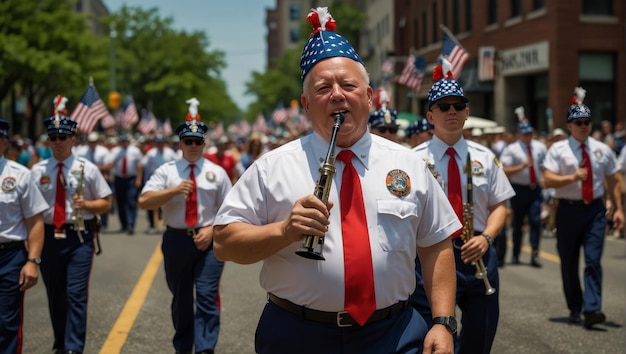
column 129, row 303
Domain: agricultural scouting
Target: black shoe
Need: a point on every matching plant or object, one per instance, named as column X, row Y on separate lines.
column 515, row 260
column 574, row 317
column 184, row 352
column 534, row 261
column 131, row 232
column 592, row 318
column 205, row 352
column 72, row 352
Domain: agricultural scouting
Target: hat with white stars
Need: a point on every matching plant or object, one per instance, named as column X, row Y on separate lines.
column 420, row 125
column 444, row 84
column 324, row 42
column 383, row 115
column 578, row 109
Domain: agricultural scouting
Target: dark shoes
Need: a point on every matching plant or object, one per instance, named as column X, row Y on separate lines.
column 592, row 318
column 574, row 317
column 534, row 261
column 515, row 260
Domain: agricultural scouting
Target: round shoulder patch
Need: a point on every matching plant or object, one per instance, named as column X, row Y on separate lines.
column 211, row 176
column 398, row 183
column 8, row 184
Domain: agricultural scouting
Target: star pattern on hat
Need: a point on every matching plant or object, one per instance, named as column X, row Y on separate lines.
column 578, row 111
column 324, row 45
column 444, row 88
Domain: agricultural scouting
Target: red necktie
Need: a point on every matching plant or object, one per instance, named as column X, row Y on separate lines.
column 59, row 200
column 191, row 208
column 360, row 298
column 454, row 188
column 531, row 167
column 124, row 166
column 587, row 183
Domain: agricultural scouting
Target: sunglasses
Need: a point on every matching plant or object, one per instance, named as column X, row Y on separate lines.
column 189, row 142
column 584, row 122
column 55, row 137
column 444, row 107
column 383, row 130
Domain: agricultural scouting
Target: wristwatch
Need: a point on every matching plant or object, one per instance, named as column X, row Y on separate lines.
column 489, row 239
column 37, row 260
column 448, row 321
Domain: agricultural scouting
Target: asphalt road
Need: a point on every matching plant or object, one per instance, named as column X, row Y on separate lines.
column 129, row 303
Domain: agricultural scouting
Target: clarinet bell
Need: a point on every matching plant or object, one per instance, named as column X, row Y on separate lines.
column 312, row 247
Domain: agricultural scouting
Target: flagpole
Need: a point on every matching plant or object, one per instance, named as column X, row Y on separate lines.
column 447, row 31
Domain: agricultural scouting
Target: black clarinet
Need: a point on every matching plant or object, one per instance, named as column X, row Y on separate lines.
column 312, row 246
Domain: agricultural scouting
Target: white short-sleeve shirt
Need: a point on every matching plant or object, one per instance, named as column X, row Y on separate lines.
column 268, row 189
column 516, row 153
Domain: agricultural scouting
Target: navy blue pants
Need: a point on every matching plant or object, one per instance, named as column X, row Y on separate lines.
column 480, row 312
column 11, row 299
column 281, row 332
column 580, row 225
column 65, row 270
column 126, row 198
column 526, row 202
column 187, row 267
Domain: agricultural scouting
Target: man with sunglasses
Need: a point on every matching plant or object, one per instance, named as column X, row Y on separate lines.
column 448, row 155
column 579, row 168
column 21, row 221
column 382, row 122
column 68, row 250
column 189, row 191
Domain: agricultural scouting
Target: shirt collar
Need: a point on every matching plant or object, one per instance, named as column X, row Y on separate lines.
column 439, row 148
column 361, row 148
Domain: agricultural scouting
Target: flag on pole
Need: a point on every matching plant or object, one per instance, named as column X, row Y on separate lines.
column 108, row 122
column 453, row 52
column 89, row 110
column 129, row 113
column 148, row 123
column 387, row 66
column 166, row 128
column 260, row 125
column 486, row 63
column 413, row 73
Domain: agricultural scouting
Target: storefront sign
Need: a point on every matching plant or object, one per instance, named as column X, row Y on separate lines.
column 521, row 60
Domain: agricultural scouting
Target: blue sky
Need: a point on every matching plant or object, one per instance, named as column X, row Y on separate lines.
column 235, row 27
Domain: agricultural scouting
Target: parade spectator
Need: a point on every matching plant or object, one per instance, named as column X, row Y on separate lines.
column 254, row 148
column 522, row 163
column 224, row 158
column 378, row 227
column 68, row 250
column 190, row 191
column 578, row 169
column 21, row 220
column 480, row 206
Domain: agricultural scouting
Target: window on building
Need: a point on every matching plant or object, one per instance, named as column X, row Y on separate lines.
column 468, row 15
column 416, row 35
column 596, row 72
column 444, row 12
column 538, row 4
column 294, row 12
column 598, row 7
column 435, row 23
column 294, row 34
column 455, row 16
column 492, row 13
column 516, row 8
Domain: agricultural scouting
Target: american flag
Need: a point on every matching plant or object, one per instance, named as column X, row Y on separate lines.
column 413, row 73
column 166, row 128
column 280, row 115
column 129, row 114
column 148, row 123
column 89, row 110
column 387, row 66
column 108, row 122
column 260, row 125
column 453, row 52
column 486, row 67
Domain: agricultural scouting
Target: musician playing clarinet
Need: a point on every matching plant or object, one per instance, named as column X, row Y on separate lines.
column 70, row 223
column 448, row 155
column 338, row 274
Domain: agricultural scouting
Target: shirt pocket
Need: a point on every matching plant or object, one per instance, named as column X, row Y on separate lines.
column 396, row 228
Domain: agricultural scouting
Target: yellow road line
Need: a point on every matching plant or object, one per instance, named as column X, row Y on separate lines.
column 543, row 254
column 119, row 333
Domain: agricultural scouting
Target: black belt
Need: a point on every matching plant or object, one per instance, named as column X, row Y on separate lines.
column 341, row 319
column 580, row 202
column 70, row 227
column 527, row 186
column 189, row 231
column 11, row 245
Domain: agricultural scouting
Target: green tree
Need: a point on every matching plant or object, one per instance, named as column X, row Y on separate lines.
column 162, row 67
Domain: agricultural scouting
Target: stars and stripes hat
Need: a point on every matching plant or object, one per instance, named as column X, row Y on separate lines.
column 578, row 109
column 4, row 128
column 383, row 115
column 420, row 125
column 324, row 42
column 444, row 84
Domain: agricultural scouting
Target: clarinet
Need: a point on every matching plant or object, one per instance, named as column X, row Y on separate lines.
column 312, row 246
column 468, row 227
column 79, row 222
